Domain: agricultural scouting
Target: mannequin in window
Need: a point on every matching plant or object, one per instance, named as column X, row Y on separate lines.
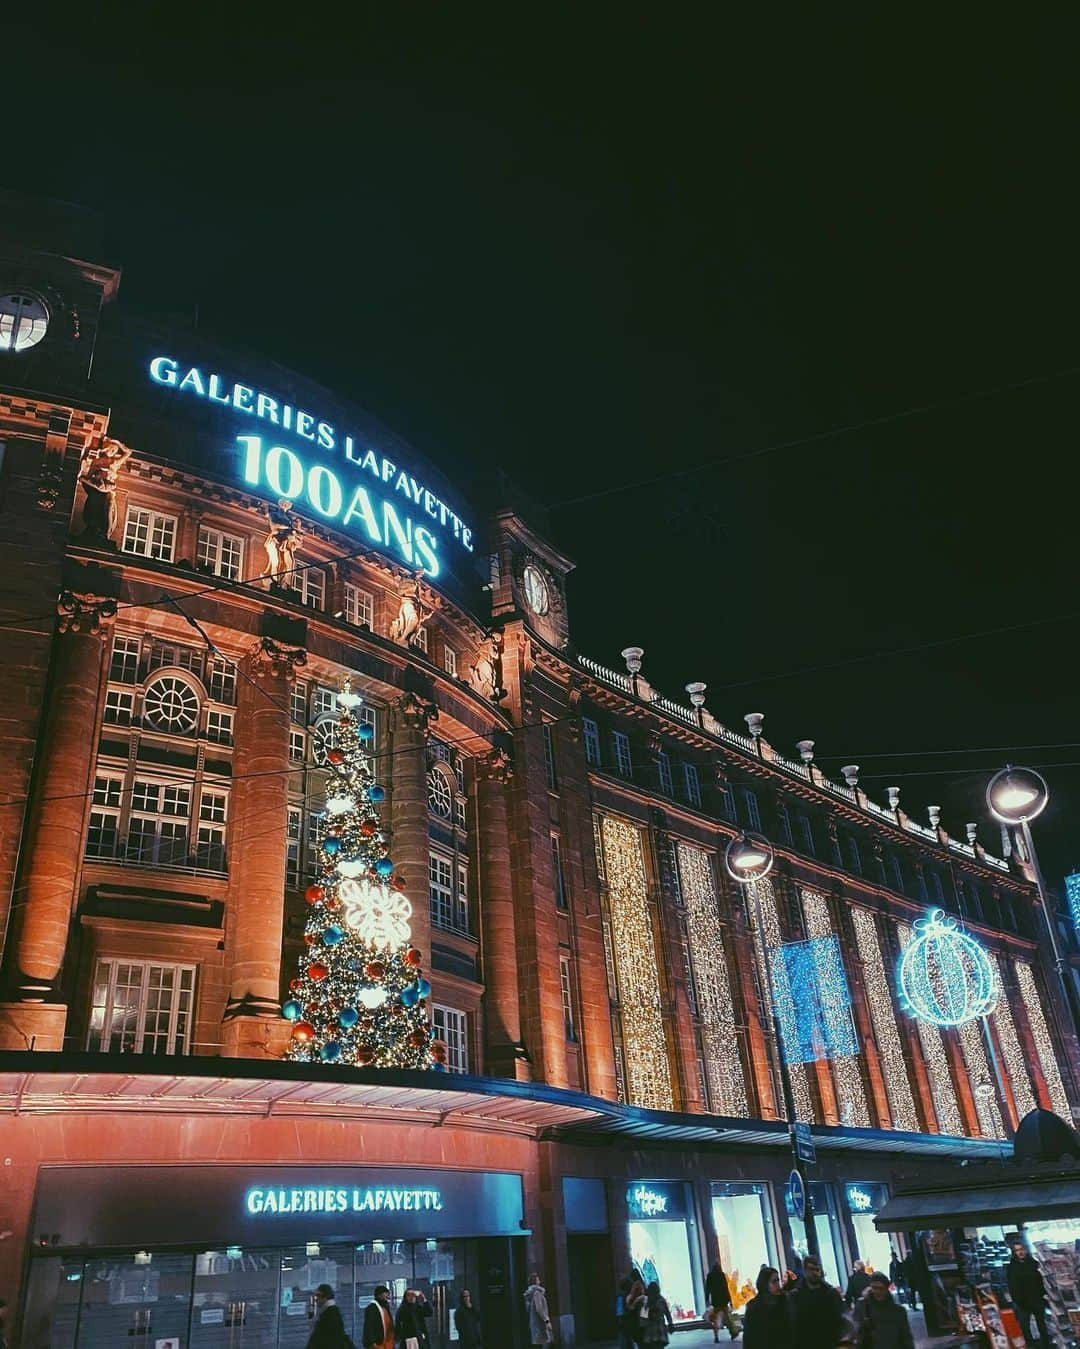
column 98, row 472
column 412, row 614
column 282, row 541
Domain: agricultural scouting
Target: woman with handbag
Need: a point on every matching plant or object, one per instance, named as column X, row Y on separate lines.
column 410, row 1327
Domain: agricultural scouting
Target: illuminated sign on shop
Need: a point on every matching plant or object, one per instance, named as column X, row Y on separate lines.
column 380, row 507
column 261, row 1202
column 655, row 1199
column 858, row 1200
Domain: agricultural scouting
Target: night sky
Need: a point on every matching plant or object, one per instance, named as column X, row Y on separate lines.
column 624, row 255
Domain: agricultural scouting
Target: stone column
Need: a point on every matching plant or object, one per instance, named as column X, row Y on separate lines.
column 407, row 771
column 45, row 898
column 504, row 1051
column 252, row 1026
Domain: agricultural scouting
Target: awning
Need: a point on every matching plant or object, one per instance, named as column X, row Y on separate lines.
column 982, row 1206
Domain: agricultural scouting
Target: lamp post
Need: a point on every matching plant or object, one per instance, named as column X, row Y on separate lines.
column 749, row 858
column 1016, row 796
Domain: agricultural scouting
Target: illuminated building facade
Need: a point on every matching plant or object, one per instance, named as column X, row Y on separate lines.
column 198, row 548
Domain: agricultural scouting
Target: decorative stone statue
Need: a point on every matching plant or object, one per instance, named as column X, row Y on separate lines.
column 485, row 674
column 412, row 614
column 282, row 540
column 98, row 471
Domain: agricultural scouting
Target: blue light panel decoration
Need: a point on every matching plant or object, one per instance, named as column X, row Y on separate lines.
column 813, row 1001
column 946, row 978
column 1072, row 893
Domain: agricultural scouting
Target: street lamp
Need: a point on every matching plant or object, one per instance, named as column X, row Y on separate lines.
column 749, row 858
column 1016, row 796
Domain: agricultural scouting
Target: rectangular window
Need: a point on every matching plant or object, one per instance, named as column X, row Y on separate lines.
column 549, row 758
column 421, row 640
column 567, row 990
column 692, row 784
column 293, row 836
column 854, row 855
column 558, row 873
column 124, row 663
column 937, row 890
column 149, row 534
column 213, row 807
column 783, row 820
column 298, row 704
column 103, row 834
column 210, row 848
column 222, row 679
column 450, row 660
column 598, row 848
column 751, row 813
column 219, row 727
column 222, row 554
column 316, row 828
column 368, row 715
column 173, row 653
column 806, row 833
column 452, row 1026
column 309, row 582
column 620, row 743
column 441, row 891
column 359, row 606
column 591, row 732
column 158, row 828
column 119, row 704
column 141, row 1008
column 297, row 746
column 463, row 897
column 897, row 872
column 727, row 802
column 663, row 767
column 324, row 703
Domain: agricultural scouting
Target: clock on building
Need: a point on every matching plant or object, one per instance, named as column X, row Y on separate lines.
column 536, row 590
column 24, row 320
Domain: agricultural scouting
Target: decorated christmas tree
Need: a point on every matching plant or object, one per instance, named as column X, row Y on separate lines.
column 360, row 996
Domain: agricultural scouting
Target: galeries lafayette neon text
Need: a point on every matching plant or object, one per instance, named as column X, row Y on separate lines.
column 322, row 1199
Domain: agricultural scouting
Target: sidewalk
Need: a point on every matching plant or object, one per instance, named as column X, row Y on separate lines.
column 700, row 1337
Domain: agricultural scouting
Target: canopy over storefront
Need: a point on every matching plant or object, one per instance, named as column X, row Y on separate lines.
column 982, row 1205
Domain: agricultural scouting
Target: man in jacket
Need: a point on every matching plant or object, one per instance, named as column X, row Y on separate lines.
column 882, row 1322
column 1028, row 1292
column 379, row 1321
column 857, row 1284
column 817, row 1310
column 329, row 1329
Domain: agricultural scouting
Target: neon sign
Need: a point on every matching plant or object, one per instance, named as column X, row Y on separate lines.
column 858, row 1200
column 380, row 508
column 260, row 1202
column 648, row 1202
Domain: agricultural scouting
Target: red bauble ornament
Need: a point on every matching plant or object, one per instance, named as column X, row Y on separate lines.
column 367, row 829
column 418, row 1038
column 397, row 882
column 364, row 1054
column 335, row 757
column 413, row 957
column 317, row 971
column 304, row 1032
column 375, row 969
column 311, row 938
column 295, row 985
column 314, row 894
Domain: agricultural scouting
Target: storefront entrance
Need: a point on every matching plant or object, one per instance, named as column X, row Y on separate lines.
column 742, row 1219
column 865, row 1199
column 660, row 1244
column 827, row 1227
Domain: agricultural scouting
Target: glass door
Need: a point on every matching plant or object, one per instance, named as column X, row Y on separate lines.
column 235, row 1302
column 136, row 1300
column 441, row 1273
column 303, row 1268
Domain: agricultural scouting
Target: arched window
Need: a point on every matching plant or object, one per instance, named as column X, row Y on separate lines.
column 171, row 704
column 23, row 321
column 440, row 792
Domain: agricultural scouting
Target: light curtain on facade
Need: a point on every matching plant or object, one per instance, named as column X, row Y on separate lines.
column 879, row 995
column 764, row 942
column 633, row 951
column 723, row 1066
column 937, row 1062
column 983, row 1088
column 1011, row 1053
column 1044, row 1044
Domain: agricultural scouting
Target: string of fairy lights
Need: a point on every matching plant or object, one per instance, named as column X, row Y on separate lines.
column 883, row 1017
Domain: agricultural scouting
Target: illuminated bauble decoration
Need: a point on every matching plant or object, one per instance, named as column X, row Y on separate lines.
column 295, row 986
column 304, row 1032
column 372, row 997
column 330, row 1051
column 331, row 845
column 338, row 805
column 409, row 996
column 423, row 988
column 364, row 1055
column 384, row 866
column 376, row 793
column 418, row 1038
column 351, row 867
column 348, row 1016
column 413, row 957
column 365, row 732
column 332, row 935
column 946, row 977
column 375, row 969
column 367, row 829
column 292, row 1010
column 335, row 757
column 398, row 883
column 310, row 938
column 346, row 698
column 314, row 894
column 380, row 916
column 318, row 971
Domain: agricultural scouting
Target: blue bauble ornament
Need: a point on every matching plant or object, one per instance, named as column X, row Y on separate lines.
column 376, row 793
column 423, row 988
column 365, row 732
column 946, row 977
column 348, row 1017
column 409, row 995
column 384, row 866
column 330, row 1051
column 332, row 935
column 331, row 845
column 439, row 1067
column 354, row 964
column 292, row 1010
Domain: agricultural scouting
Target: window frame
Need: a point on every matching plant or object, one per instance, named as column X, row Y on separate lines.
column 454, row 1032
column 217, row 542
column 692, row 784
column 154, row 520
column 591, row 734
column 359, row 606
column 624, row 759
column 179, row 1040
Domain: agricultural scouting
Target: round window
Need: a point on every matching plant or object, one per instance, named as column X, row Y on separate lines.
column 440, row 796
column 171, row 704
column 536, row 591
column 23, row 321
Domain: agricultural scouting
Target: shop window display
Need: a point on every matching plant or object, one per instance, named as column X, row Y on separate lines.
column 1055, row 1244
column 826, row 1224
column 864, row 1201
column 660, row 1243
column 743, row 1224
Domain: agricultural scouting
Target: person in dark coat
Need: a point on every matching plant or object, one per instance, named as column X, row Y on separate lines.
column 767, row 1320
column 882, row 1322
column 379, row 1321
column 411, row 1323
column 817, row 1310
column 328, row 1331
column 657, row 1325
column 898, row 1276
column 857, row 1284
column 633, row 1296
column 467, row 1320
column 718, row 1292
column 1028, row 1292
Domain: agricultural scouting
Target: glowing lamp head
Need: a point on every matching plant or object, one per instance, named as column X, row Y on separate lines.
column 749, row 857
column 1017, row 795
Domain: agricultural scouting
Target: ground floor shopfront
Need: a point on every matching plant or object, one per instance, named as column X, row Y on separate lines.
column 201, row 1212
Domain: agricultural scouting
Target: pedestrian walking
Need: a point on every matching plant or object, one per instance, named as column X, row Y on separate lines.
column 881, row 1322
column 410, row 1327
column 718, row 1292
column 767, row 1320
column 328, row 1332
column 817, row 1310
column 379, row 1321
column 898, row 1277
column 1028, row 1292
column 536, row 1304
column 467, row 1320
column 657, row 1324
column 857, row 1284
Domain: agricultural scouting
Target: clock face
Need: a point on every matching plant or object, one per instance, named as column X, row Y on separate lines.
column 536, row 591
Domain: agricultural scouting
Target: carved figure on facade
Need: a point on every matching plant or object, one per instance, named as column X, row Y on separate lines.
column 282, row 540
column 485, row 673
column 270, row 657
column 416, row 712
column 99, row 470
column 412, row 614
column 84, row 613
column 496, row 766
